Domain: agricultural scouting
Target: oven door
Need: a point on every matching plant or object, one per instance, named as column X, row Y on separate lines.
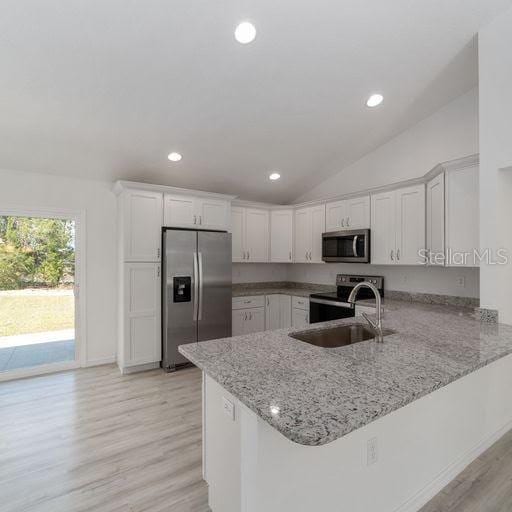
column 346, row 246
column 324, row 310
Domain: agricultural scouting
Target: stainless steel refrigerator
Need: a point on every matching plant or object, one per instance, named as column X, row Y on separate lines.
column 196, row 290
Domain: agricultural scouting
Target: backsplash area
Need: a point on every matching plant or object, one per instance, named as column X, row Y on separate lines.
column 461, row 282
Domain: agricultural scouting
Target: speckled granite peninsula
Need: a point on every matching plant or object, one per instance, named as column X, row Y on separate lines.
column 322, row 394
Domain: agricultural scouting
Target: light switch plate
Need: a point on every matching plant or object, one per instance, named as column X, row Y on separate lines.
column 229, row 408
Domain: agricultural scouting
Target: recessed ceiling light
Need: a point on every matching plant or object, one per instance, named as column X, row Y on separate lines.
column 374, row 100
column 174, row 157
column 274, row 176
column 245, row 32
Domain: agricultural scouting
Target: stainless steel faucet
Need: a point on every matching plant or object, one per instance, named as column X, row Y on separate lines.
column 376, row 326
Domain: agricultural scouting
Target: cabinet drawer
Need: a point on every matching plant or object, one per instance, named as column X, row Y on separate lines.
column 255, row 301
column 300, row 303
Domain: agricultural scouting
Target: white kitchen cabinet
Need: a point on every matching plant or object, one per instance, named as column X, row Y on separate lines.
column 250, row 235
column 247, row 321
column 273, row 312
column 398, row 226
column 351, row 213
column 462, row 216
column 281, row 236
column 309, row 227
column 435, row 221
column 383, row 220
column 410, row 239
column 184, row 211
column 141, row 338
column 278, row 312
column 141, row 225
column 300, row 317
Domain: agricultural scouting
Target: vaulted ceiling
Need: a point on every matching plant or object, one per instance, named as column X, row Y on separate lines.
column 105, row 89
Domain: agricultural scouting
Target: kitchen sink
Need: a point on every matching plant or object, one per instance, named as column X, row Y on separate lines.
column 338, row 336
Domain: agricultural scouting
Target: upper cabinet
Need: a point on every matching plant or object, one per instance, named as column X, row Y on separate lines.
column 348, row 214
column 281, row 236
column 250, row 235
column 462, row 216
column 182, row 211
column 398, row 226
column 453, row 218
column 309, row 227
column 141, row 225
column 435, row 221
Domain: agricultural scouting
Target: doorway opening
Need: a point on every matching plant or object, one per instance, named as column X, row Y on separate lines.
column 38, row 307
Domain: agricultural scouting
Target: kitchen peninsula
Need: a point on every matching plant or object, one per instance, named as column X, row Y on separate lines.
column 289, row 426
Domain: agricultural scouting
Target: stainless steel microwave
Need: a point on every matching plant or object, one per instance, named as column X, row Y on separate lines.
column 346, row 246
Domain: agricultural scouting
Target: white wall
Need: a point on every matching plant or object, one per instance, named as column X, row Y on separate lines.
column 450, row 133
column 43, row 191
column 495, row 77
column 259, row 272
column 444, row 281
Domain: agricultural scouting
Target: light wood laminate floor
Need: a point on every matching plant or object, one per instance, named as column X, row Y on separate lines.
column 97, row 441
column 94, row 440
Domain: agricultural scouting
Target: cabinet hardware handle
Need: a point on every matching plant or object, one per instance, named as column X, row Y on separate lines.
column 248, row 255
column 398, row 254
column 158, row 271
column 247, row 301
column 348, row 222
column 268, row 302
column 290, row 255
column 200, row 219
column 245, row 316
column 392, row 258
column 195, row 219
column 250, row 316
column 158, row 253
column 342, row 223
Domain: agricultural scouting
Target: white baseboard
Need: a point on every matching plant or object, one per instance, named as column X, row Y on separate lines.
column 99, row 362
column 139, row 368
column 447, row 475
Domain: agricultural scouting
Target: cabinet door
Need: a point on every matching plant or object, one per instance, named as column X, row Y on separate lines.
column 383, row 220
column 238, row 321
column 272, row 312
column 335, row 216
column 285, row 311
column 256, row 235
column 213, row 214
column 180, row 211
column 281, row 236
column 410, row 234
column 237, row 235
column 142, row 225
column 357, row 213
column 255, row 321
column 462, row 216
column 303, row 230
column 435, row 220
column 142, row 340
column 317, row 229
column 300, row 317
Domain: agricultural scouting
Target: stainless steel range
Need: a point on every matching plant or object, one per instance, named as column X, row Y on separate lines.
column 333, row 306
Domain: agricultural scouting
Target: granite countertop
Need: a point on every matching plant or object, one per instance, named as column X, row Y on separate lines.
column 322, row 394
column 282, row 288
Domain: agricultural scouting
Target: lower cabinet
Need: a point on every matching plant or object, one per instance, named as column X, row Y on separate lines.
column 140, row 337
column 300, row 311
column 247, row 321
column 278, row 312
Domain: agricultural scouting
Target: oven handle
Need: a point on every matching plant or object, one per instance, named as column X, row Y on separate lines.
column 332, row 303
column 354, row 246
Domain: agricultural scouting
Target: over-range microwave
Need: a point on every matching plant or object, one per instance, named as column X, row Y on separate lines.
column 346, row 246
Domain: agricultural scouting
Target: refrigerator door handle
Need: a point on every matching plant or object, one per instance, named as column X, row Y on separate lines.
column 196, row 289
column 200, row 302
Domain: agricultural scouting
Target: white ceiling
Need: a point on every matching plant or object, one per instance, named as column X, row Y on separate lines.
column 107, row 88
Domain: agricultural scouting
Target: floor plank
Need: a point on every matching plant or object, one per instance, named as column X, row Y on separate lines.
column 95, row 440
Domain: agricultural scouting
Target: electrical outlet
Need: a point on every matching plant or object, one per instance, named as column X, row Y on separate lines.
column 228, row 407
column 372, row 451
column 461, row 281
